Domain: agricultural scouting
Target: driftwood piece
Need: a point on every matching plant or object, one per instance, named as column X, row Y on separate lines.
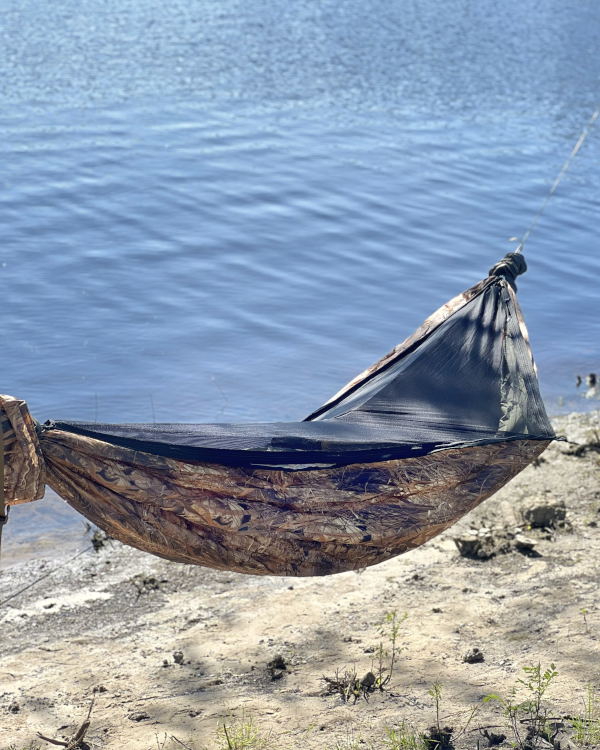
column 275, row 522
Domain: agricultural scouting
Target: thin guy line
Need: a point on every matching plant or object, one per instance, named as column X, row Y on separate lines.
column 567, row 164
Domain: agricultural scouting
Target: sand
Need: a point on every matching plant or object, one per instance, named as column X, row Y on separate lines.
column 114, row 619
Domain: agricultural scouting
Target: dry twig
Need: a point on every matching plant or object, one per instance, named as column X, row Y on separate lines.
column 77, row 739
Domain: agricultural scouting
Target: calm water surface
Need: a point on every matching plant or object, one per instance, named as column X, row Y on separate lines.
column 222, row 211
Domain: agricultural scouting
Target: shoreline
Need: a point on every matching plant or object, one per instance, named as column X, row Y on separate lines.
column 111, row 619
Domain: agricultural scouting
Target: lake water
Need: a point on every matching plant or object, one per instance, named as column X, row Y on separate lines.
column 220, row 210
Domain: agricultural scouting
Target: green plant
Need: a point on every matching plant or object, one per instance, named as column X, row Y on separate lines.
column 349, row 685
column 243, row 734
column 587, row 726
column 435, row 691
column 585, row 622
column 404, row 738
column 388, row 629
column 528, row 719
column 439, row 737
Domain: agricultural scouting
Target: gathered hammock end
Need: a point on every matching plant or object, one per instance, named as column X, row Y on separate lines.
column 511, row 266
column 400, row 454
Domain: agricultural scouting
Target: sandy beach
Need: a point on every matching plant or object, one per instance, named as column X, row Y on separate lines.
column 173, row 651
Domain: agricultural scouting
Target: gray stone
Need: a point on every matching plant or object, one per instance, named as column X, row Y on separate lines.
column 477, row 546
column 542, row 512
column 473, row 656
column 563, row 741
column 178, row 657
column 368, row 681
column 524, row 543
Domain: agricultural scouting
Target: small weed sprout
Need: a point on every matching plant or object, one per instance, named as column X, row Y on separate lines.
column 404, row 738
column 584, row 615
column 439, row 737
column 587, row 726
column 388, row 629
column 472, row 712
column 243, row 734
column 350, row 686
column 536, row 682
column 528, row 720
column 435, row 691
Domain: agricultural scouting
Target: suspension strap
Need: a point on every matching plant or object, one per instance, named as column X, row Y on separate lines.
column 3, row 507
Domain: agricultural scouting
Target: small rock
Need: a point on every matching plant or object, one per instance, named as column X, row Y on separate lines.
column 524, row 543
column 437, row 610
column 98, row 539
column 493, row 738
column 278, row 662
column 142, row 716
column 14, row 707
column 473, row 545
column 438, row 739
column 368, row 681
column 100, row 689
column 178, row 657
column 473, row 656
column 563, row 741
column 543, row 513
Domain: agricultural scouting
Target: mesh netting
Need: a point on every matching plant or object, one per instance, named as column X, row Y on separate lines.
column 465, row 378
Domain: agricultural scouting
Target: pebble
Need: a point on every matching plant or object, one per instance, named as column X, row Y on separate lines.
column 473, row 656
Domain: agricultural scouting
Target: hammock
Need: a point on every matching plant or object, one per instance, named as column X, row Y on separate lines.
column 398, row 455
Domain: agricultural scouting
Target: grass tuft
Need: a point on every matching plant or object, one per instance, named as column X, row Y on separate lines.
column 587, row 726
column 244, row 734
column 405, row 737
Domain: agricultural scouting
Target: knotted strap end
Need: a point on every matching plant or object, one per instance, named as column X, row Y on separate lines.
column 511, row 266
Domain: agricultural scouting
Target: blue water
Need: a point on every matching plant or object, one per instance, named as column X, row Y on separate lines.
column 222, row 211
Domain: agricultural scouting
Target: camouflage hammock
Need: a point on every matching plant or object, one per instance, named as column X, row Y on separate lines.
column 397, row 456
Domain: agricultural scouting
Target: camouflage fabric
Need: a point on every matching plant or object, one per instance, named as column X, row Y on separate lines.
column 259, row 521
column 24, row 467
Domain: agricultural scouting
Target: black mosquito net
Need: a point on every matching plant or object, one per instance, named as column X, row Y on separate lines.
column 469, row 380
